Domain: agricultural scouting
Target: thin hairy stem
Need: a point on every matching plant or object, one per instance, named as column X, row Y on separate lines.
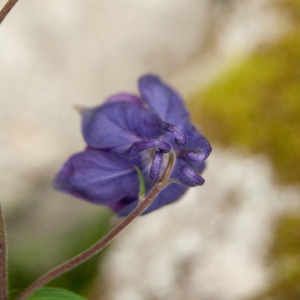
column 6, row 9
column 97, row 247
column 3, row 260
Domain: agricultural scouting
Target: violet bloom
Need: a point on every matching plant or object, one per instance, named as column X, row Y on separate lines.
column 128, row 131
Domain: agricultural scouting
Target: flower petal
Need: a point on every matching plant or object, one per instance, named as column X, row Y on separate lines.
column 188, row 173
column 155, row 169
column 180, row 138
column 167, row 196
column 124, row 97
column 195, row 156
column 163, row 99
column 116, row 125
column 170, row 194
column 100, row 177
column 196, row 141
column 143, row 145
column 189, row 176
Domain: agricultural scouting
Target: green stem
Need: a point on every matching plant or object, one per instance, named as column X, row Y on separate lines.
column 3, row 260
column 97, row 247
column 6, row 9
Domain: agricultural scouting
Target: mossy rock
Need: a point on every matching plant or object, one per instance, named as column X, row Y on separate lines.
column 285, row 259
column 256, row 104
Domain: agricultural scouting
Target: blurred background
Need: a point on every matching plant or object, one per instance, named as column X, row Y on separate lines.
column 237, row 65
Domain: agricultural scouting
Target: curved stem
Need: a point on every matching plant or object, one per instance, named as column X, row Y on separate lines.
column 3, row 260
column 6, row 9
column 97, row 247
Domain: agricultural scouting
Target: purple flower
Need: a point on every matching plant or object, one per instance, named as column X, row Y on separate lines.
column 128, row 131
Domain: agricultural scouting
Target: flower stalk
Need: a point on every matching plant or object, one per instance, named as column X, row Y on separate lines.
column 163, row 182
column 3, row 260
column 6, row 9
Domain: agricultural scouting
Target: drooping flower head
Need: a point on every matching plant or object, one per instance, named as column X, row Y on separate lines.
column 128, row 131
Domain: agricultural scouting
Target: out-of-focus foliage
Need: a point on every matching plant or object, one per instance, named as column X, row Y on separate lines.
column 256, row 104
column 285, row 260
column 40, row 255
column 54, row 294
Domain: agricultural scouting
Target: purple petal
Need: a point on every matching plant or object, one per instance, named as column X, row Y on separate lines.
column 195, row 156
column 195, row 141
column 197, row 148
column 187, row 173
column 163, row 100
column 124, row 97
column 143, row 145
column 180, row 138
column 170, row 194
column 155, row 169
column 99, row 177
column 167, row 196
column 189, row 176
column 117, row 125
column 198, row 166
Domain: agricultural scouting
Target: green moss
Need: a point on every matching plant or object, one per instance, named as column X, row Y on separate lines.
column 287, row 238
column 293, row 8
column 256, row 104
column 285, row 259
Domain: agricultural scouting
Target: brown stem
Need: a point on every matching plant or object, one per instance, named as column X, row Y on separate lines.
column 97, row 247
column 6, row 9
column 3, row 260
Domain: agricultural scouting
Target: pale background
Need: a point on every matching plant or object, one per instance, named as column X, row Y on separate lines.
column 54, row 54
